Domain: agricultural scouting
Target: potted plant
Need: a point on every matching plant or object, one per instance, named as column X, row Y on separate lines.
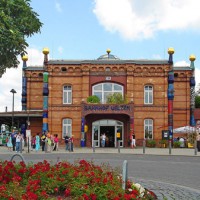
column 115, row 98
column 151, row 143
column 163, row 143
column 176, row 144
column 93, row 99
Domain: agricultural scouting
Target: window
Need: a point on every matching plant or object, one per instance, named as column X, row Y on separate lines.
column 66, row 127
column 148, row 129
column 148, row 94
column 67, row 94
column 102, row 90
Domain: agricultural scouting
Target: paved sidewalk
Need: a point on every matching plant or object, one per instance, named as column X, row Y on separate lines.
column 138, row 150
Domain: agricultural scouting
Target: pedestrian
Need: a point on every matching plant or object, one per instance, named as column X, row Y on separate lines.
column 133, row 141
column 49, row 142
column 67, row 142
column 9, row 142
column 18, row 141
column 33, row 141
column 71, row 143
column 55, row 147
column 37, row 142
column 13, row 136
column 103, row 140
column 43, row 139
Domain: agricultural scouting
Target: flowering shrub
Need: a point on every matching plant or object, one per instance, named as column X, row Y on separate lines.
column 82, row 180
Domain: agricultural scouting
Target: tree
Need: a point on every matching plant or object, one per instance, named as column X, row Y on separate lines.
column 197, row 101
column 17, row 22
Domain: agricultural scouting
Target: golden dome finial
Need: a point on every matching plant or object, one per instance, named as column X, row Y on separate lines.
column 108, row 51
column 45, row 51
column 24, row 57
column 171, row 50
column 192, row 57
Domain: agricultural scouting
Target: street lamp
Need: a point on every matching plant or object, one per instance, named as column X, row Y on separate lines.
column 13, row 91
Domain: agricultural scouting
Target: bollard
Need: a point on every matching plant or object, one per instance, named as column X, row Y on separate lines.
column 28, row 144
column 93, row 147
column 144, row 144
column 195, row 147
column 45, row 147
column 124, row 174
column 20, row 147
column 118, row 146
column 170, row 147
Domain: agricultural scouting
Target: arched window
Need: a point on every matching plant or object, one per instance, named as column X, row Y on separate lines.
column 66, row 127
column 148, row 129
column 102, row 90
column 67, row 94
column 148, row 94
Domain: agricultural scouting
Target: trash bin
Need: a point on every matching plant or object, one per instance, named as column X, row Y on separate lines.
column 82, row 143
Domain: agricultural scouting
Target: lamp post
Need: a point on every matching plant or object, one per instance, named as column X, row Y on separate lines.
column 13, row 91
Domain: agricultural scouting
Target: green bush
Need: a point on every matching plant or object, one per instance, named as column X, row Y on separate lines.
column 115, row 98
column 151, row 143
column 93, row 99
column 176, row 144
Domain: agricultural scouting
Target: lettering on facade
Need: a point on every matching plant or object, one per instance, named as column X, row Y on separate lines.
column 107, row 108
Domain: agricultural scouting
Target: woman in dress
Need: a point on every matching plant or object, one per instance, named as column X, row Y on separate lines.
column 9, row 143
column 37, row 142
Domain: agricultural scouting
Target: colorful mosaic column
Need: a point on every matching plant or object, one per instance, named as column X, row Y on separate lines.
column 82, row 132
column 192, row 91
column 24, row 84
column 170, row 94
column 45, row 92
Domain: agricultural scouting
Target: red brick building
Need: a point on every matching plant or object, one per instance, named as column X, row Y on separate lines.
column 157, row 96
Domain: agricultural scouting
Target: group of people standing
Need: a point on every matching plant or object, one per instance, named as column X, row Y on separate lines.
column 69, row 143
column 47, row 141
column 15, row 141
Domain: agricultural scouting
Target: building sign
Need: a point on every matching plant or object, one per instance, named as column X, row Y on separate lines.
column 165, row 134
column 107, row 108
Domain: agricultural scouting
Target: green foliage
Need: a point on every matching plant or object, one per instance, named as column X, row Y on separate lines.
column 93, row 99
column 197, row 101
column 176, row 144
column 151, row 143
column 115, row 98
column 17, row 21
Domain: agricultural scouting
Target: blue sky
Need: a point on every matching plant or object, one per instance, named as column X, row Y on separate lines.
column 132, row 29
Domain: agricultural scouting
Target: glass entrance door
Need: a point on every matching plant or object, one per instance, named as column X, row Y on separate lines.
column 96, row 136
column 111, row 128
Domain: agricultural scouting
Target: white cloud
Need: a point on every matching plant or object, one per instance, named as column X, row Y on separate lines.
column 12, row 79
column 58, row 7
column 138, row 19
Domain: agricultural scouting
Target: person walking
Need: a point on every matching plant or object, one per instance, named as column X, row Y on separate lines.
column 103, row 140
column 55, row 147
column 37, row 142
column 18, row 141
column 133, row 143
column 71, row 143
column 67, row 143
column 13, row 136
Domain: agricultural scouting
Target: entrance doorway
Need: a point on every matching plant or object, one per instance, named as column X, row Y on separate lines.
column 113, row 129
column 110, row 135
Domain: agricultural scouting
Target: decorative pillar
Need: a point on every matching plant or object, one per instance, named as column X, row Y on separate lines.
column 45, row 91
column 83, row 132
column 170, row 93
column 192, row 91
column 24, row 84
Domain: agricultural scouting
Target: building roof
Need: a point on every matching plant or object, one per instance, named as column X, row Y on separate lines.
column 107, row 61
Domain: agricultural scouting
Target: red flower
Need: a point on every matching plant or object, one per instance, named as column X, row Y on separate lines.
column 56, row 189
column 67, row 192
column 85, row 197
column 93, row 196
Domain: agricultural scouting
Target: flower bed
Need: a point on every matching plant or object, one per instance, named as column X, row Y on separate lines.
column 82, row 180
